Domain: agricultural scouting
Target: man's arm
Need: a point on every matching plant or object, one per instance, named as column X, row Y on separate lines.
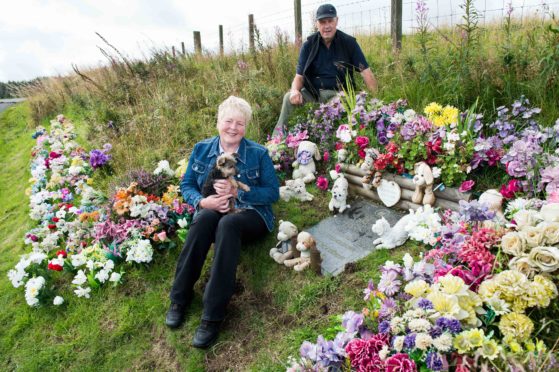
column 296, row 98
column 370, row 80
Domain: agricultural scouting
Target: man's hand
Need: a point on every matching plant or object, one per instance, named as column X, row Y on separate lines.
column 218, row 203
column 223, row 187
column 296, row 98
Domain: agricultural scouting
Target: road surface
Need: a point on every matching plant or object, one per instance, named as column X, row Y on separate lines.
column 5, row 103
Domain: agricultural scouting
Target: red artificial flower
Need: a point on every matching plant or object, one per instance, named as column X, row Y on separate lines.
column 33, row 238
column 362, row 141
column 54, row 155
column 61, row 252
column 466, row 186
column 338, row 168
column 52, row 226
column 361, row 153
column 326, row 156
column 54, row 267
column 55, row 219
column 511, row 188
column 339, row 146
column 400, row 363
column 391, row 148
column 322, row 183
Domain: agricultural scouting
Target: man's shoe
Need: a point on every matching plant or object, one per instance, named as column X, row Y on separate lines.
column 175, row 315
column 206, row 334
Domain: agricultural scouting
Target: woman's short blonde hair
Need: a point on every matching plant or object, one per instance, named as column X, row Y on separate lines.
column 234, row 105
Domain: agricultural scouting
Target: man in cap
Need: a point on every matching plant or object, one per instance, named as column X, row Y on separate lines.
column 326, row 62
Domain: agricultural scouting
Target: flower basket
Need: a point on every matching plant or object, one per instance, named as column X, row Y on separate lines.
column 445, row 199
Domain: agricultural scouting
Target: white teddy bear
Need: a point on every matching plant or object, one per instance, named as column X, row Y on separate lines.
column 287, row 240
column 295, row 189
column 304, row 165
column 339, row 193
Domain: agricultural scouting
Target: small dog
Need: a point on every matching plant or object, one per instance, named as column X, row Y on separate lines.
column 295, row 189
column 338, row 202
column 225, row 169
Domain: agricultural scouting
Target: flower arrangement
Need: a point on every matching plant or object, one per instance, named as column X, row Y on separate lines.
column 78, row 232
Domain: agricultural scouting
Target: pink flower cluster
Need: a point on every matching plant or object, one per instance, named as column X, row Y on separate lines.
column 475, row 253
column 364, row 354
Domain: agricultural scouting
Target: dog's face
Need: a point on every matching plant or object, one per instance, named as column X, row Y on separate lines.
column 339, row 190
column 423, row 175
column 227, row 164
column 298, row 186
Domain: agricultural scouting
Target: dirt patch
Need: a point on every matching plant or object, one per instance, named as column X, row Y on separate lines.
column 160, row 357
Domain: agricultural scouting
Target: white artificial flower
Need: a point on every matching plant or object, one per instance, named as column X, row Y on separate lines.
column 408, row 261
column 344, row 133
column 419, row 325
column 102, row 276
column 436, row 172
column 32, row 289
column 58, row 301
column 397, row 118
column 140, row 252
column 409, row 115
column 499, row 306
column 80, row 278
column 78, row 260
column 443, row 343
column 399, row 343
column 383, row 353
column 115, row 277
column 182, row 222
column 82, row 292
column 164, row 168
column 16, row 277
column 423, row 341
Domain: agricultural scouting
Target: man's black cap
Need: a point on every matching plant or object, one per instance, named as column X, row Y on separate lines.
column 325, row 11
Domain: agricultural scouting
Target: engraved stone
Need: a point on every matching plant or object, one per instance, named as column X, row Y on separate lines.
column 348, row 237
column 389, row 192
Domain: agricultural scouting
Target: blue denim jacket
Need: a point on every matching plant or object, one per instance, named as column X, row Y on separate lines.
column 255, row 169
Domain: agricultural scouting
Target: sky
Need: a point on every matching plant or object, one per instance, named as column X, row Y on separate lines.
column 46, row 37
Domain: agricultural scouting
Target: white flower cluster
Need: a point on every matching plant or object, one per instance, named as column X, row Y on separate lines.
column 164, row 168
column 424, row 225
column 139, row 251
column 32, row 290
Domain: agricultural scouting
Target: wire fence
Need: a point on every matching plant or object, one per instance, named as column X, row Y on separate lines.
column 368, row 17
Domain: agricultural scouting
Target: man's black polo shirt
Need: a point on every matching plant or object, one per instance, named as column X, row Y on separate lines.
column 329, row 66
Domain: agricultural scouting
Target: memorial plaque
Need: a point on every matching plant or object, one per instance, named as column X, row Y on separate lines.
column 348, row 237
column 389, row 192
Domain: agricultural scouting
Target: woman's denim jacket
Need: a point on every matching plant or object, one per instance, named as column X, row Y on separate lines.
column 255, row 169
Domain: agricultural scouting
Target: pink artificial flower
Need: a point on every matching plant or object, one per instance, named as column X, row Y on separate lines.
column 338, row 168
column 326, row 156
column 400, row 363
column 511, row 188
column 466, row 186
column 322, row 183
column 361, row 141
column 293, row 141
column 61, row 252
column 339, row 146
column 553, row 197
column 361, row 153
column 162, row 236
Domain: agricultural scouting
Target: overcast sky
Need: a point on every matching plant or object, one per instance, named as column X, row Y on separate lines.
column 45, row 37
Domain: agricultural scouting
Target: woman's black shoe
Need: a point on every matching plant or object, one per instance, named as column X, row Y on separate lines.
column 175, row 315
column 206, row 334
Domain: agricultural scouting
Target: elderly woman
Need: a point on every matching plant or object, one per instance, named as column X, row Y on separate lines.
column 212, row 223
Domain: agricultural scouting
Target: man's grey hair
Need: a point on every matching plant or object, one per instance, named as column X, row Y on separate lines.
column 234, row 105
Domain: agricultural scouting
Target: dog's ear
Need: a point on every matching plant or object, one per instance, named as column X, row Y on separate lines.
column 428, row 174
column 221, row 161
column 316, row 152
column 235, row 156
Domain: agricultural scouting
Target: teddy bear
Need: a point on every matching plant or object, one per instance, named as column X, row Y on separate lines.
column 338, row 202
column 494, row 201
column 304, row 165
column 310, row 255
column 423, row 181
column 287, row 241
column 295, row 189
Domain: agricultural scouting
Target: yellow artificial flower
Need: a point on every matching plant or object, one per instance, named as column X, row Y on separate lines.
column 433, row 109
column 461, row 343
column 77, row 162
column 450, row 114
column 89, row 181
column 181, row 170
column 453, row 285
column 475, row 337
column 516, row 326
column 489, row 349
column 417, row 288
column 549, row 286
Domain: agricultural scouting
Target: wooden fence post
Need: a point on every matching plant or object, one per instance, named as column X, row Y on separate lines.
column 396, row 24
column 183, row 49
column 174, row 53
column 298, row 24
column 221, row 40
column 197, row 42
column 251, row 32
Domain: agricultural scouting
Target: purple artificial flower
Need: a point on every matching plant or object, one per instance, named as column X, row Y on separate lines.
column 352, row 321
column 475, row 211
column 388, row 308
column 435, row 332
column 434, row 361
column 384, row 327
column 389, row 283
column 369, row 290
column 98, row 158
column 409, row 341
column 424, row 304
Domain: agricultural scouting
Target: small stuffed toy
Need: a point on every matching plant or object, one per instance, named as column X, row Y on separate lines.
column 295, row 189
column 494, row 201
column 310, row 255
column 391, row 237
column 287, row 241
column 342, row 155
column 338, row 202
column 304, row 165
column 423, row 181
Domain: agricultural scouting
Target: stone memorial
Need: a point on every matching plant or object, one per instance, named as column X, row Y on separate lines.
column 348, row 237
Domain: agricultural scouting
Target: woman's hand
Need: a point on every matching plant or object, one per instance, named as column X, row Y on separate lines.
column 224, row 187
column 218, row 203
